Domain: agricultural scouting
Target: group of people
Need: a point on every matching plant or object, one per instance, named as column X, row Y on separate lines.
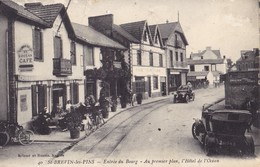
column 59, row 117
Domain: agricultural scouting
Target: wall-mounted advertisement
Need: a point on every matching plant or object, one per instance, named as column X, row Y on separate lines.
column 25, row 58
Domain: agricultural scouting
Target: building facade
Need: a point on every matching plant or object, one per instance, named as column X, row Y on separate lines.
column 249, row 60
column 146, row 57
column 175, row 43
column 206, row 66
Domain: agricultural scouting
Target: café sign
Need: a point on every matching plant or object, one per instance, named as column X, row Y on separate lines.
column 25, row 58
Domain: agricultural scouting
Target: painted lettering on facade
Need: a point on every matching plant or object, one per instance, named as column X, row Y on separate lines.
column 25, row 58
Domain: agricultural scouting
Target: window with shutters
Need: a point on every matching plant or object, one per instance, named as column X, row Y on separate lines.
column 58, row 47
column 73, row 53
column 139, row 58
column 160, row 60
column 37, row 44
column 176, row 56
column 151, row 58
column 155, row 82
column 171, row 58
column 88, row 53
column 39, row 98
column 74, row 93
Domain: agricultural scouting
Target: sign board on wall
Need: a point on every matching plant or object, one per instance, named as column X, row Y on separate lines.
column 23, row 103
column 25, row 58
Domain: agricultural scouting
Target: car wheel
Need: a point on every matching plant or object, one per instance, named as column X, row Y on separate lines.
column 194, row 130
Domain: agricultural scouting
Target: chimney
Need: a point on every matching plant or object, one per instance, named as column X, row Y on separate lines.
column 208, row 48
column 167, row 21
column 224, row 57
column 256, row 51
column 31, row 5
column 102, row 23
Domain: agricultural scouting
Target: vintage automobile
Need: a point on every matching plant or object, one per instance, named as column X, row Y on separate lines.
column 223, row 130
column 184, row 94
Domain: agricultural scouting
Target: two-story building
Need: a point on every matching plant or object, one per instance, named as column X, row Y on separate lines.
column 248, row 61
column 94, row 46
column 146, row 53
column 41, row 60
column 175, row 43
column 206, row 66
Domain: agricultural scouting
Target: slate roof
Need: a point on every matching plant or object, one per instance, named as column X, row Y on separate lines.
column 204, row 61
column 248, row 56
column 136, row 29
column 153, row 30
column 24, row 15
column 216, row 52
column 124, row 33
column 49, row 13
column 46, row 12
column 93, row 37
column 167, row 29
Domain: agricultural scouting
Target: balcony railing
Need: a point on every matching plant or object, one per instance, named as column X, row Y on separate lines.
column 62, row 67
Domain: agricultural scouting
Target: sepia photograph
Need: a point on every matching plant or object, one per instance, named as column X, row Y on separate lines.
column 129, row 83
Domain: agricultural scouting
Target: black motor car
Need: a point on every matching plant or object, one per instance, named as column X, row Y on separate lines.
column 184, row 94
column 222, row 130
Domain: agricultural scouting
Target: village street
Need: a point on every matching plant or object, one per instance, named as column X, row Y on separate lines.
column 156, row 133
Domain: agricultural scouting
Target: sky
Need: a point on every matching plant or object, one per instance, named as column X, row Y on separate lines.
column 226, row 25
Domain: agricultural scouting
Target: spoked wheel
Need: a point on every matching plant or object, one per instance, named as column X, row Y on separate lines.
column 26, row 137
column 208, row 146
column 4, row 138
column 194, row 130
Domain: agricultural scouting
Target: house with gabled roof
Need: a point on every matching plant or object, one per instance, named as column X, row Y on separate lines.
column 43, row 58
column 95, row 44
column 206, row 66
column 175, row 43
column 146, row 53
column 248, row 61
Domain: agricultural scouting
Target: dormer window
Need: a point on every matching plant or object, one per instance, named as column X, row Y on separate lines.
column 145, row 35
column 156, row 39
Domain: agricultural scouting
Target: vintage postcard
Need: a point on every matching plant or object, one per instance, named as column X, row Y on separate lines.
column 125, row 83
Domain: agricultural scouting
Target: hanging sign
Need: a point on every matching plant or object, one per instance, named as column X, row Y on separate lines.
column 25, row 58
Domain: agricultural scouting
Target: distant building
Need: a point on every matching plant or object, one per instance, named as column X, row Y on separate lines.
column 249, row 60
column 206, row 65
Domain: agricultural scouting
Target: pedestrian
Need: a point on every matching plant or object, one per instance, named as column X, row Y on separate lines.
column 68, row 106
column 41, row 123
